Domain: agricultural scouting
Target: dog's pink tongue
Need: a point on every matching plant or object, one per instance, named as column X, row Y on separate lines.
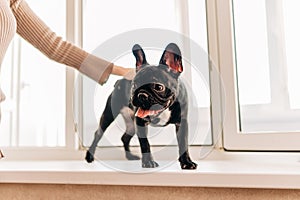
column 143, row 113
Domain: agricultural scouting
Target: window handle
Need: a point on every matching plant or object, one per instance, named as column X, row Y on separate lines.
column 24, row 84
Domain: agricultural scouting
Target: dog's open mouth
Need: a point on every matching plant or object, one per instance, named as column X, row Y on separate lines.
column 154, row 110
column 144, row 113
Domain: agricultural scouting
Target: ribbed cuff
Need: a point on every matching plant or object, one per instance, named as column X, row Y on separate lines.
column 96, row 68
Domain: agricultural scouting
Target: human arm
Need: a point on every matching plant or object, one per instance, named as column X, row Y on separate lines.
column 36, row 32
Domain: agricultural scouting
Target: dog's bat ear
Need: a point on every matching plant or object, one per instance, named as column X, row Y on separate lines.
column 140, row 56
column 172, row 58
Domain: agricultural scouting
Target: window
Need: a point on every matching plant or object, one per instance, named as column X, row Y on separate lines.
column 171, row 21
column 34, row 112
column 255, row 53
column 260, row 75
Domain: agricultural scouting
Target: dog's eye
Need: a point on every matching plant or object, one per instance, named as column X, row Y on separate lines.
column 159, row 88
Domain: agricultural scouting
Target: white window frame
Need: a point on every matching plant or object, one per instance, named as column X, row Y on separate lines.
column 221, row 50
column 234, row 139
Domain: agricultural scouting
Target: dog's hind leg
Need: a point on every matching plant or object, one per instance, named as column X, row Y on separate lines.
column 106, row 119
column 128, row 114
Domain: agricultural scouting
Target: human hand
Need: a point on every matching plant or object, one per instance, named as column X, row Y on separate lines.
column 130, row 73
column 127, row 73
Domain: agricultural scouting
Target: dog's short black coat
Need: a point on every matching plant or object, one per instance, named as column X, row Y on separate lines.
column 155, row 96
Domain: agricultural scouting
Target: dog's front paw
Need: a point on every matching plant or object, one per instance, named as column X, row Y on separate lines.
column 149, row 164
column 188, row 165
column 89, row 157
column 186, row 162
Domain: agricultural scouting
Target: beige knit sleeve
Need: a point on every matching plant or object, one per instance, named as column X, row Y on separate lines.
column 36, row 32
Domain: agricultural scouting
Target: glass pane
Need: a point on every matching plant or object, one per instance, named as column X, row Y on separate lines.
column 35, row 112
column 291, row 14
column 42, row 93
column 97, row 29
column 266, row 44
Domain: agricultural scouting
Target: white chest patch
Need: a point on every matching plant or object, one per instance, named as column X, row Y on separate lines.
column 162, row 119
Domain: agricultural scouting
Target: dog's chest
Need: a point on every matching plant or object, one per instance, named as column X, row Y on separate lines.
column 162, row 119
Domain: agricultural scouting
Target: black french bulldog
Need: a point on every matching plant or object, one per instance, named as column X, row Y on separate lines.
column 155, row 96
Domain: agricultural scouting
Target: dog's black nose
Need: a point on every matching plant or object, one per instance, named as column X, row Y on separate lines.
column 143, row 96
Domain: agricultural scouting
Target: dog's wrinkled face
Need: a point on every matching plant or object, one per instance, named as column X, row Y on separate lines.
column 154, row 88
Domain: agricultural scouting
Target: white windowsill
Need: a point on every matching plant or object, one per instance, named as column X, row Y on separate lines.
column 220, row 169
